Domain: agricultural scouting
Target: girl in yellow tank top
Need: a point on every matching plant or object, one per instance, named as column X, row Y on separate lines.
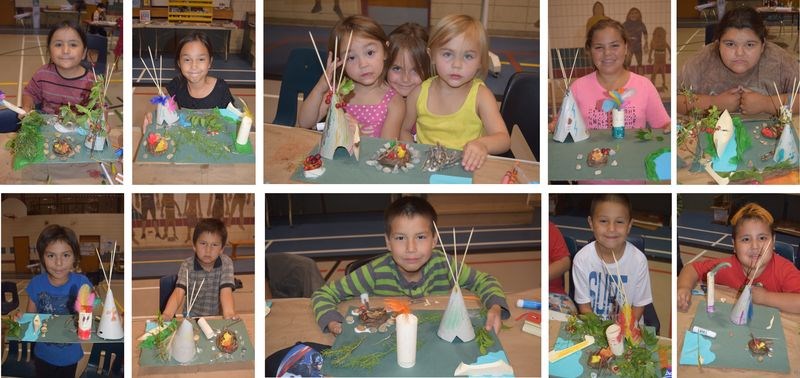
column 455, row 108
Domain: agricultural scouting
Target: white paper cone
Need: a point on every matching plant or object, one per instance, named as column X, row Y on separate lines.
column 618, row 117
column 740, row 314
column 614, row 339
column 723, row 133
column 570, row 121
column 183, row 348
column 244, row 130
column 110, row 327
column 786, row 149
column 336, row 133
column 165, row 116
column 406, row 340
column 455, row 321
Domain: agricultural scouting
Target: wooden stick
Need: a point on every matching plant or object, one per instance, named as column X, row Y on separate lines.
column 324, row 69
column 335, row 59
column 160, row 70
column 455, row 254
column 151, row 76
column 446, row 259
column 153, row 62
column 111, row 267
column 563, row 71
column 97, row 251
column 758, row 263
column 777, row 93
column 346, row 51
column 463, row 258
column 571, row 70
column 196, row 294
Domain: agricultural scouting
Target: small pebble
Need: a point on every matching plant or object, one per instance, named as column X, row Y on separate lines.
column 614, row 163
column 372, row 329
column 580, row 156
column 578, row 166
column 383, row 328
column 349, row 320
column 611, row 152
column 723, row 300
column 196, row 337
column 597, row 172
column 361, row 328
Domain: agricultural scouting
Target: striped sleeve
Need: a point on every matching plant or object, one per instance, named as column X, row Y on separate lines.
column 486, row 287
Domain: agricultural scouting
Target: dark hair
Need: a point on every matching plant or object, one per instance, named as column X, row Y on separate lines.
column 101, row 5
column 213, row 226
column 602, row 24
column 55, row 233
column 408, row 207
column 191, row 37
column 414, row 38
column 67, row 24
column 742, row 18
column 361, row 26
column 621, row 199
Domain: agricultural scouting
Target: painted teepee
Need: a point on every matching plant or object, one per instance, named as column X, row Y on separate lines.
column 725, row 144
column 570, row 122
column 110, row 327
column 742, row 310
column 183, row 348
column 166, row 107
column 455, row 321
column 337, row 133
column 786, row 149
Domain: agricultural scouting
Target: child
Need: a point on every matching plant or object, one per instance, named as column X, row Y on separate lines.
column 209, row 263
column 411, row 268
column 560, row 260
column 63, row 81
column 54, row 291
column 658, row 55
column 372, row 105
column 409, row 63
column 637, row 32
column 752, row 231
column 194, row 88
column 599, row 265
column 99, row 15
column 455, row 108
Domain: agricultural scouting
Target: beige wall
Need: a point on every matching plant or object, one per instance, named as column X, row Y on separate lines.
column 567, row 19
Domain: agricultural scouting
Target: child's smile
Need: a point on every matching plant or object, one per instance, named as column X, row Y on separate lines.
column 753, row 237
column 58, row 262
column 411, row 243
column 195, row 62
column 611, row 224
column 67, row 51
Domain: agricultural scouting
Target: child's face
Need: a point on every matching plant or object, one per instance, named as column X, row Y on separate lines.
column 457, row 61
column 411, row 243
column 59, row 260
column 635, row 15
column 740, row 49
column 66, row 48
column 195, row 61
column 364, row 62
column 208, row 248
column 611, row 223
column 608, row 50
column 403, row 75
column 752, row 236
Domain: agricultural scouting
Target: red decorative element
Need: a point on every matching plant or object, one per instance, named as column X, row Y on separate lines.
column 312, row 162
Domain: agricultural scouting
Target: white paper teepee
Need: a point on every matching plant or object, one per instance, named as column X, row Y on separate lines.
column 570, row 122
column 742, row 310
column 110, row 327
column 786, row 149
column 183, row 348
column 166, row 108
column 455, row 321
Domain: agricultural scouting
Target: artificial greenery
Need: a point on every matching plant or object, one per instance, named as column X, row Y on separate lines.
column 12, row 327
column 211, row 122
column 160, row 340
column 743, row 141
column 484, row 339
column 646, row 135
column 196, row 136
column 637, row 361
column 28, row 144
column 338, row 356
column 650, row 163
column 588, row 324
column 753, row 174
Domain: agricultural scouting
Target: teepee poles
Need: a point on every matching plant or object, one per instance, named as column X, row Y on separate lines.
column 455, row 268
column 446, row 258
column 191, row 297
column 111, row 266
column 333, row 84
column 155, row 76
column 324, row 71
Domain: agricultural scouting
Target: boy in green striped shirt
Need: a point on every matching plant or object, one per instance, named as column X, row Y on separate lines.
column 411, row 268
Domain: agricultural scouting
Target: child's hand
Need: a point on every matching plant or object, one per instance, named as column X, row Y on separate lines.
column 684, row 299
column 730, row 99
column 148, row 119
column 335, row 327
column 475, row 154
column 758, row 294
column 493, row 318
column 231, row 315
column 754, row 102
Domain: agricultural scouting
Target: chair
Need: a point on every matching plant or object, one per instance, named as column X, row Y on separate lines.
column 354, row 265
column 166, row 285
column 105, row 360
column 520, row 107
column 19, row 361
column 292, row 276
column 680, row 264
column 786, row 251
column 300, row 75
column 10, row 288
column 650, row 317
column 97, row 43
column 572, row 247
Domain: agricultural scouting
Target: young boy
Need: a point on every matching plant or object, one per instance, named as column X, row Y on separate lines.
column 209, row 263
column 411, row 268
column 597, row 265
column 752, row 233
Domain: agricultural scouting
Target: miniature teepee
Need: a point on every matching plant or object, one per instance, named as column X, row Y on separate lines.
column 183, row 347
column 337, row 133
column 570, row 122
column 455, row 321
column 724, row 143
column 786, row 149
column 742, row 310
column 166, row 107
column 110, row 327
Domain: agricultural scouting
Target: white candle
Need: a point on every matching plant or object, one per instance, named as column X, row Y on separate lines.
column 207, row 330
column 710, row 292
column 406, row 340
column 244, row 130
column 618, row 117
column 14, row 108
column 614, row 340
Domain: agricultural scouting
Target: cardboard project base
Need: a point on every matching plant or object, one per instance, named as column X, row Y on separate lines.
column 207, row 352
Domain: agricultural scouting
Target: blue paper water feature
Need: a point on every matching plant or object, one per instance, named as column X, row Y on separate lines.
column 690, row 347
column 569, row 366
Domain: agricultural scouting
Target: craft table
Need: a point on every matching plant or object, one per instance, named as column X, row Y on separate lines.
column 61, row 329
column 790, row 324
column 631, row 154
column 140, row 28
column 229, row 370
column 285, row 148
column 52, row 17
column 291, row 320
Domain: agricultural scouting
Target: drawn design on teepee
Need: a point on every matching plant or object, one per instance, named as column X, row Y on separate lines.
column 787, row 149
column 455, row 321
column 166, row 107
column 570, row 122
column 110, row 327
column 742, row 310
column 183, row 348
column 337, row 133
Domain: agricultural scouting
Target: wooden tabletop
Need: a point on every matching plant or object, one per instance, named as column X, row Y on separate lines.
column 230, row 370
column 285, row 148
column 291, row 320
column 218, row 174
column 790, row 324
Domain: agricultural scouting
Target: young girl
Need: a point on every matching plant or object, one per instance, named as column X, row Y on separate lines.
column 658, row 55
column 54, row 292
column 637, row 33
column 64, row 80
column 752, row 232
column 372, row 104
column 455, row 108
column 409, row 63
column 194, row 88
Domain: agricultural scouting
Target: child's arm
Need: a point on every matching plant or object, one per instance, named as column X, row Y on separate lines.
column 637, row 312
column 686, row 281
column 496, row 139
column 788, row 302
column 584, row 308
column 559, row 267
column 410, row 118
column 31, row 308
column 325, row 299
column 226, row 302
column 314, row 108
column 394, row 118
column 173, row 303
column 487, row 288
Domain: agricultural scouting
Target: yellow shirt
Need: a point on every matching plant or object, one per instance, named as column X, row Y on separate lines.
column 450, row 130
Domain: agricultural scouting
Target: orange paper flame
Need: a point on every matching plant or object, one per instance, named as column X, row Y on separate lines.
column 398, row 306
column 628, row 324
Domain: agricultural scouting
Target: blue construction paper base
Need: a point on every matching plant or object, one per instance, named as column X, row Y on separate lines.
column 492, row 357
column 689, row 351
column 567, row 367
column 723, row 163
column 446, row 179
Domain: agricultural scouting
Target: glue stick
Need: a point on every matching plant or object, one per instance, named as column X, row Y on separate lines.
column 532, row 305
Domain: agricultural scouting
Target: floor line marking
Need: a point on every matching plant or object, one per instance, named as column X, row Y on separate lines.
column 688, row 41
